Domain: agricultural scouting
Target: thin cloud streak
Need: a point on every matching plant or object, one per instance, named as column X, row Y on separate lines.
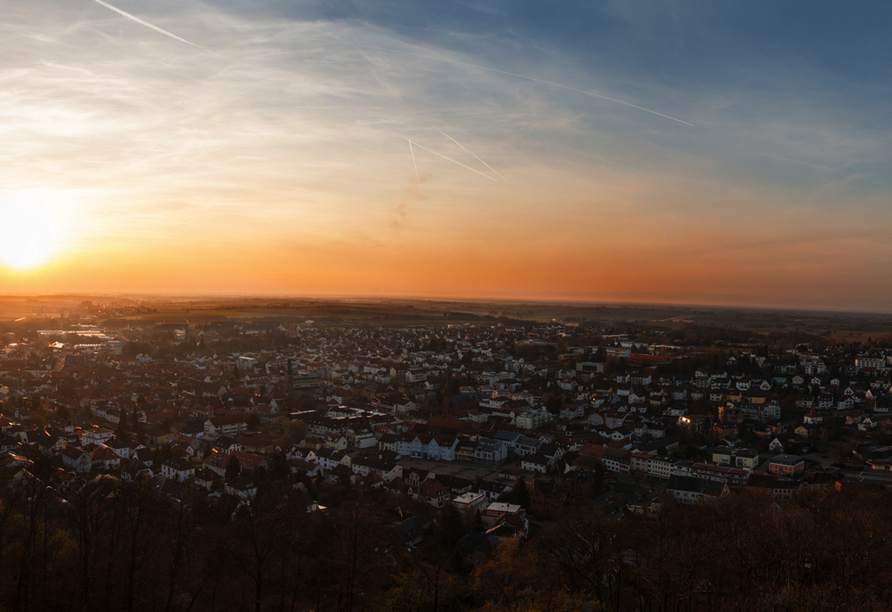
column 454, row 162
column 417, row 176
column 805, row 163
column 150, row 25
column 514, row 74
column 466, row 151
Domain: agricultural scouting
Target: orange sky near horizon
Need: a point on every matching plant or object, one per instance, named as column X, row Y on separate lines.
column 682, row 267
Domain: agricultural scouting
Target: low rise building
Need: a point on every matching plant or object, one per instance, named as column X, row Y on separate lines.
column 786, row 465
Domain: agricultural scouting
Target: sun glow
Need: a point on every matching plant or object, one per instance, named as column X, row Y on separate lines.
column 27, row 230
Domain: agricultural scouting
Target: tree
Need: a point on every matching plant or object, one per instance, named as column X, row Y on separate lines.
column 180, row 525
column 358, row 542
column 297, row 430
column 233, row 468
column 593, row 465
column 261, row 536
column 87, row 519
column 32, row 513
column 584, row 548
column 139, row 509
column 447, row 531
column 278, row 468
column 519, row 494
column 404, row 595
column 522, row 578
column 449, row 527
column 124, row 423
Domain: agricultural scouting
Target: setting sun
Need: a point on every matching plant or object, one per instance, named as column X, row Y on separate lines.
column 28, row 238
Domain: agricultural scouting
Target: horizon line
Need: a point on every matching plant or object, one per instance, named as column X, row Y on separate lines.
column 543, row 301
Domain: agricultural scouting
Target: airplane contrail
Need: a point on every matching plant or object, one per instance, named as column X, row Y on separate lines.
column 466, row 151
column 797, row 161
column 514, row 74
column 417, row 176
column 454, row 162
column 150, row 25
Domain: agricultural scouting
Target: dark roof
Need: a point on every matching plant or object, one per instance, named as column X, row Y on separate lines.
column 180, row 465
column 473, row 542
column 692, row 484
column 413, row 524
column 787, row 460
column 769, row 481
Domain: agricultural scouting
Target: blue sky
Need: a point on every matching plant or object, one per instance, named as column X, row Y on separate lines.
column 677, row 151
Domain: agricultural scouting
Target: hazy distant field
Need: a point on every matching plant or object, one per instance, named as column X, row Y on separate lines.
column 432, row 312
column 12, row 308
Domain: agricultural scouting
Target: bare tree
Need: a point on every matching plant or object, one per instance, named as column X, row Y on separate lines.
column 140, row 508
column 357, row 551
column 87, row 518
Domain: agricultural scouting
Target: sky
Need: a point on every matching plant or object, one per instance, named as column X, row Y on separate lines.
column 669, row 151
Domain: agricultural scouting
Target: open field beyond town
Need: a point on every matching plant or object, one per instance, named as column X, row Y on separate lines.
column 120, row 311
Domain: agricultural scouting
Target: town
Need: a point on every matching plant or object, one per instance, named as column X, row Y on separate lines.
column 497, row 429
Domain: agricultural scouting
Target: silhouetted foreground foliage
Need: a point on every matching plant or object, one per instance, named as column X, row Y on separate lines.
column 100, row 544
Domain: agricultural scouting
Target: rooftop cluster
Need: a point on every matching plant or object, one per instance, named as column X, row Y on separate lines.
column 491, row 431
